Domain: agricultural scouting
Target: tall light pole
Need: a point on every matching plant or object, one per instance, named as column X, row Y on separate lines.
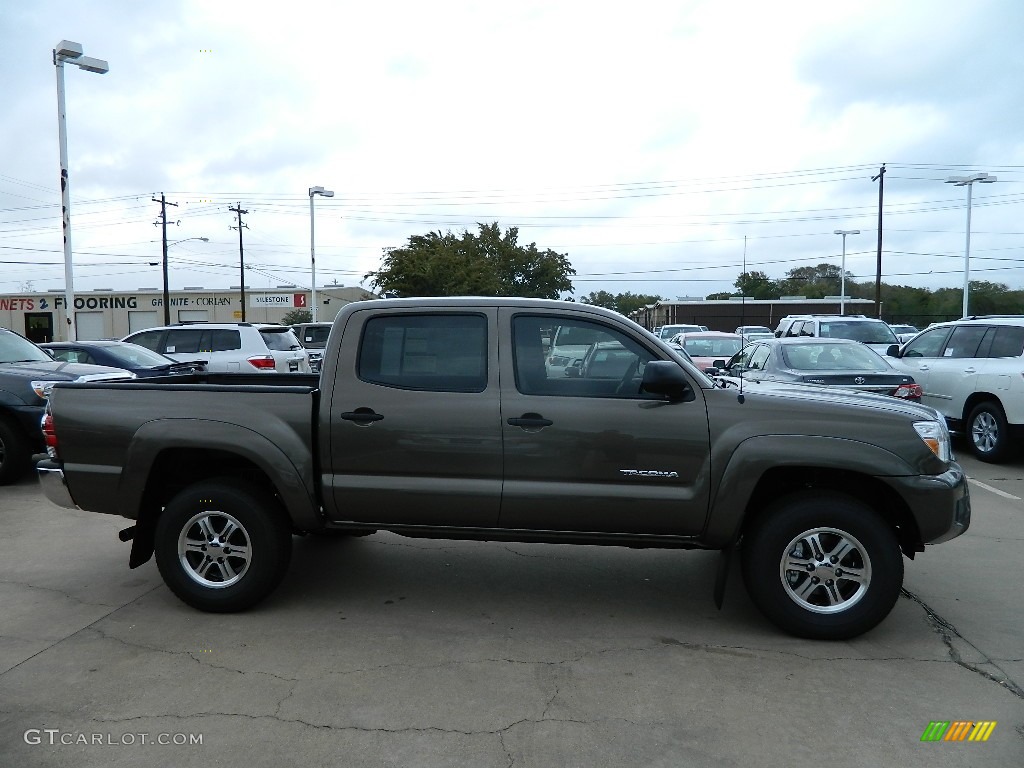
column 968, row 181
column 842, row 272
column 67, row 50
column 167, row 290
column 313, row 191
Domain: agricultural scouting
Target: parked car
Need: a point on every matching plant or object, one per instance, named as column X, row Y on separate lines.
column 904, row 332
column 744, row 330
column 972, row 372
column 435, row 418
column 121, row 354
column 708, row 349
column 26, row 375
column 313, row 337
column 867, row 330
column 604, row 360
column 231, row 347
column 569, row 344
column 666, row 332
column 824, row 362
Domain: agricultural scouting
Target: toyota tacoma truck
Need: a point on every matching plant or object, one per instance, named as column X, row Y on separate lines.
column 441, row 418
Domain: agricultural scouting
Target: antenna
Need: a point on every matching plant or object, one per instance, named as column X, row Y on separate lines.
column 743, row 312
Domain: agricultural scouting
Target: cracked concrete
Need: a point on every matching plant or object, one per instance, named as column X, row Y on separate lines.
column 383, row 652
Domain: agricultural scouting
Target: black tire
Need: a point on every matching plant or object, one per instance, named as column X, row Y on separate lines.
column 988, row 434
column 15, row 455
column 213, row 574
column 851, row 595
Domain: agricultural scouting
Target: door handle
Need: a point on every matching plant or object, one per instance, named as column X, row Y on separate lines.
column 530, row 420
column 972, row 369
column 362, row 416
column 923, row 368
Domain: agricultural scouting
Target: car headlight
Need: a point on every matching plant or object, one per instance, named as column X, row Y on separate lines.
column 42, row 388
column 936, row 437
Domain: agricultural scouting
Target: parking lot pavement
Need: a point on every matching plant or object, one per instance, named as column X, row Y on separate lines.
column 389, row 651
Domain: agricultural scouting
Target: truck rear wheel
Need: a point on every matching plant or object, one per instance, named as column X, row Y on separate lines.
column 221, row 546
column 14, row 453
column 822, row 565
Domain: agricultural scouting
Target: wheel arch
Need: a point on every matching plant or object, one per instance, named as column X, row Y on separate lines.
column 166, row 456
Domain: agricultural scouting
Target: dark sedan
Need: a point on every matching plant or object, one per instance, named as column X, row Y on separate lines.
column 120, row 354
column 829, row 362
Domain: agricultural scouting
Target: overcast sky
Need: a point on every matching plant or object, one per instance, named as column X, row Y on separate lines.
column 653, row 142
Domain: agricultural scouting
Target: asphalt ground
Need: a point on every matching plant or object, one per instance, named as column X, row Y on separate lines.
column 385, row 651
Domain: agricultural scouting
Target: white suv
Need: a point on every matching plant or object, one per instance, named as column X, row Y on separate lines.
column 972, row 372
column 231, row 347
column 867, row 330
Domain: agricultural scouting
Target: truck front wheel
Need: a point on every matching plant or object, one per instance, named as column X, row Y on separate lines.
column 822, row 565
column 222, row 547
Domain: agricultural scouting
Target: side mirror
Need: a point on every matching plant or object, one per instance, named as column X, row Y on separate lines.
column 713, row 370
column 719, row 363
column 662, row 377
column 575, row 369
column 893, row 350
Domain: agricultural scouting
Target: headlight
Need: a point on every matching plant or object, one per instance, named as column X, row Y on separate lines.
column 42, row 388
column 936, row 437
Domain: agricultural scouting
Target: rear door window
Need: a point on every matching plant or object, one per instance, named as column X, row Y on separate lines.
column 182, row 341
column 964, row 341
column 224, row 340
column 436, row 353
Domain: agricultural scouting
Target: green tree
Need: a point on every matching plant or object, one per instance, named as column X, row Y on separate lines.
column 488, row 263
column 623, row 303
column 757, row 285
column 297, row 316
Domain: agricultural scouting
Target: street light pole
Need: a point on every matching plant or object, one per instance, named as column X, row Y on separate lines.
column 67, row 50
column 968, row 181
column 313, row 191
column 167, row 290
column 842, row 273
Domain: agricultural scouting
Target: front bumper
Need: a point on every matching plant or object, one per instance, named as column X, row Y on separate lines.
column 51, row 479
column 941, row 504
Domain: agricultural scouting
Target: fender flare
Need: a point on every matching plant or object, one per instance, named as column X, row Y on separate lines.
column 758, row 454
column 296, row 484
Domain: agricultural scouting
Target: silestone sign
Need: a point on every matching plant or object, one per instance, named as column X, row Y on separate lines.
column 296, row 300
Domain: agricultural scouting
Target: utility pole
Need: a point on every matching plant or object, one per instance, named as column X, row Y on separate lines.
column 163, row 218
column 241, row 251
column 880, row 178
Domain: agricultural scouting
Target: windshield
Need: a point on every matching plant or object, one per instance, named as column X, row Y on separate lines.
column 133, row 354
column 832, row 357
column 867, row 331
column 17, row 349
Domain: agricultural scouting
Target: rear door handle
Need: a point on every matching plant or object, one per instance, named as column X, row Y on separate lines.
column 530, row 420
column 362, row 415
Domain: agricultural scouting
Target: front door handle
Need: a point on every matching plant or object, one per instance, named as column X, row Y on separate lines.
column 530, row 420
column 362, row 416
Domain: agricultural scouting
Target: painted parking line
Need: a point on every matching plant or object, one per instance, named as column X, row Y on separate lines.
column 996, row 491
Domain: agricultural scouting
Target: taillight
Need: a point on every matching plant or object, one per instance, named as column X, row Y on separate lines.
column 262, row 362
column 49, row 434
column 909, row 391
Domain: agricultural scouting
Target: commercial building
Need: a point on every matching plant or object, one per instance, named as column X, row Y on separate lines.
column 108, row 314
column 729, row 314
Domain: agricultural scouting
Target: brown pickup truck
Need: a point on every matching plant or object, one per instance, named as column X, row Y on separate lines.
column 448, row 418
